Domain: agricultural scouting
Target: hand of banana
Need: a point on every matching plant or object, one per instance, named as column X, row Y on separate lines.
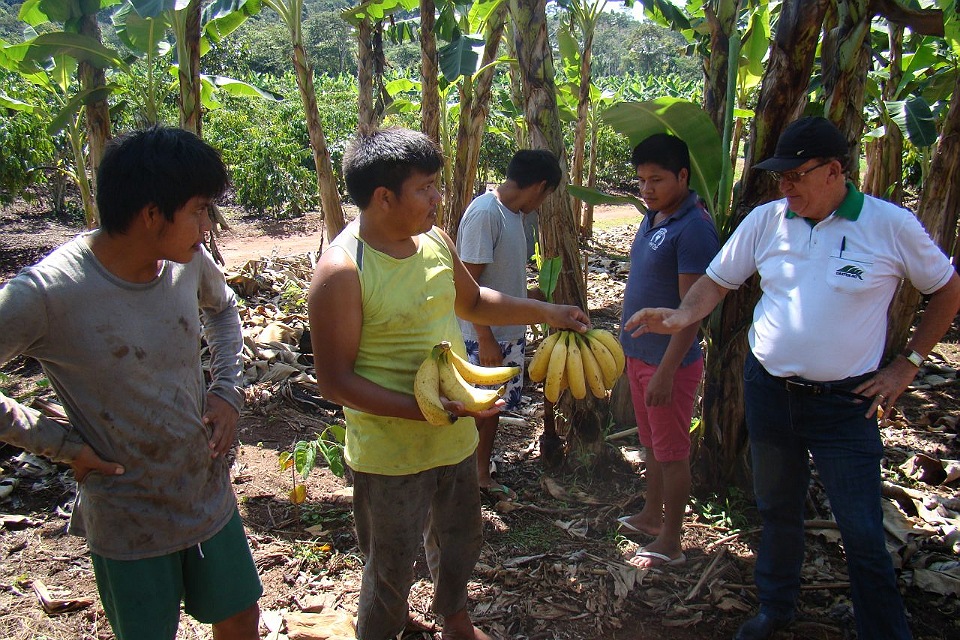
column 444, row 374
column 566, row 359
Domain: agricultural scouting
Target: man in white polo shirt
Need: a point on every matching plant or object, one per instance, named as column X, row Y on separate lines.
column 830, row 259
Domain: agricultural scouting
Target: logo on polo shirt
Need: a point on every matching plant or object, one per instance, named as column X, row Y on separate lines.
column 850, row 271
column 657, row 239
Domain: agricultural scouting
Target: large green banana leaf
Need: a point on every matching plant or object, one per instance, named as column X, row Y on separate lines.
column 915, row 120
column 687, row 121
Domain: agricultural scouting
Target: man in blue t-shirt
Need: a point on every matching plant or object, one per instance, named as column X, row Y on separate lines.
column 672, row 248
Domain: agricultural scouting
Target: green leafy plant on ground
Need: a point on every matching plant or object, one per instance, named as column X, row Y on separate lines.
column 306, row 453
column 313, row 515
column 530, row 537
column 293, row 298
column 728, row 510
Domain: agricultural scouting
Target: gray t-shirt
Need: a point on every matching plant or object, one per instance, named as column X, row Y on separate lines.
column 492, row 234
column 124, row 359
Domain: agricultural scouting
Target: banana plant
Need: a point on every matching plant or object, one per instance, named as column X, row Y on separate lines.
column 570, row 100
column 584, row 15
column 290, row 13
column 470, row 62
column 79, row 17
column 368, row 19
column 50, row 61
column 902, row 99
column 150, row 37
column 467, row 61
column 687, row 121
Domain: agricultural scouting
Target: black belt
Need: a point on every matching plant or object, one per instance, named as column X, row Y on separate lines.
column 842, row 388
column 814, row 388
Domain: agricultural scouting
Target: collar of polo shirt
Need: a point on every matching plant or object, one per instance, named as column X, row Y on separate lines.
column 849, row 208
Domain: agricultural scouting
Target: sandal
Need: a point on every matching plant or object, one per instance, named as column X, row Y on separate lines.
column 499, row 493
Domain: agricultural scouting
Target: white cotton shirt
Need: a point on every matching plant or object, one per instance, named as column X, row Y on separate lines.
column 826, row 288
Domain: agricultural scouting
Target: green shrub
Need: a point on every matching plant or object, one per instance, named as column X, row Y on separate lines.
column 24, row 140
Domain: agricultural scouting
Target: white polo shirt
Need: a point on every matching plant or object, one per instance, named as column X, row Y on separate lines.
column 826, row 287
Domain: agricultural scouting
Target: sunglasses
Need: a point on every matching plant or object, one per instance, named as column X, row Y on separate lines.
column 796, row 176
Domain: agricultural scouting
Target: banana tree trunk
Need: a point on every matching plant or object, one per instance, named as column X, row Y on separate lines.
column 580, row 135
column 885, row 154
column 938, row 209
column 558, row 231
column 721, row 459
column 330, row 206
column 97, row 113
column 846, row 58
column 461, row 172
column 545, row 132
column 382, row 96
column 722, row 21
column 735, row 141
column 474, row 108
column 187, row 27
column 91, row 217
column 587, row 230
column 429, row 72
column 188, row 58
column 516, row 92
column 367, row 120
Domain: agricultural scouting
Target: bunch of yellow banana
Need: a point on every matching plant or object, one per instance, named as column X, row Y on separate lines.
column 568, row 360
column 445, row 373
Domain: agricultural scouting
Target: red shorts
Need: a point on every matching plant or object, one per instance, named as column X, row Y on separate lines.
column 665, row 429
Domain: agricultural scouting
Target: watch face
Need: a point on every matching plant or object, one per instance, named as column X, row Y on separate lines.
column 915, row 358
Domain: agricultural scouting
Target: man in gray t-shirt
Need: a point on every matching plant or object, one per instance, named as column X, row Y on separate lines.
column 492, row 244
column 115, row 319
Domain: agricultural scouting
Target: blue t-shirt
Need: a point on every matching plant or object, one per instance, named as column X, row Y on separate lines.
column 685, row 243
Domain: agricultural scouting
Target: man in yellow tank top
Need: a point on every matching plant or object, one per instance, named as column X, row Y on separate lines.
column 384, row 293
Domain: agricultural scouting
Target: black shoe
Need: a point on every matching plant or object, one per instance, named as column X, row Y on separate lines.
column 761, row 627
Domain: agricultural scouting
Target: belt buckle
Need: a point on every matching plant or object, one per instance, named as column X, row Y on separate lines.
column 803, row 385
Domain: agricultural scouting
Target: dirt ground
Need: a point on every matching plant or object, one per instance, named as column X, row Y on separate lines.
column 551, row 566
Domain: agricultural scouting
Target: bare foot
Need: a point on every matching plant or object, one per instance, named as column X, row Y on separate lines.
column 459, row 627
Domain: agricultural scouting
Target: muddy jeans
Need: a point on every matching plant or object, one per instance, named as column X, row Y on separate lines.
column 439, row 508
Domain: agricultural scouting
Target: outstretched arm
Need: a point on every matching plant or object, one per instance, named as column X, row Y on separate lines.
column 697, row 304
column 480, row 305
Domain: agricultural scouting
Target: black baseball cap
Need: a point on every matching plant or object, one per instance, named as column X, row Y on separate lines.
column 805, row 139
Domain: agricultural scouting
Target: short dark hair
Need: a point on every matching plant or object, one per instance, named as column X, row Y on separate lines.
column 164, row 166
column 663, row 149
column 532, row 166
column 386, row 158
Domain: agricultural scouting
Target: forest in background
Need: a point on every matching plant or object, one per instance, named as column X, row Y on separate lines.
column 262, row 133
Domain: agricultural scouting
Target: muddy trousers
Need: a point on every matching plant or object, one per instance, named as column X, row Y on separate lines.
column 438, row 508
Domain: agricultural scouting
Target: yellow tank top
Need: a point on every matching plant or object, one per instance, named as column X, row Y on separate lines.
column 408, row 307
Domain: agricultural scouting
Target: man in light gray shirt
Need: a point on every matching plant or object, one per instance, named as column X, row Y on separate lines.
column 492, row 244
column 114, row 318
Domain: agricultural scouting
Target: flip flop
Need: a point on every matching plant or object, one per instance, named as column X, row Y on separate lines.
column 665, row 560
column 626, row 526
column 499, row 492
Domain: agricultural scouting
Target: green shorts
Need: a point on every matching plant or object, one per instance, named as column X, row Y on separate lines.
column 215, row 580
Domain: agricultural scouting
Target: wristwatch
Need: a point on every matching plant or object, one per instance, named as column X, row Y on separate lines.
column 913, row 357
